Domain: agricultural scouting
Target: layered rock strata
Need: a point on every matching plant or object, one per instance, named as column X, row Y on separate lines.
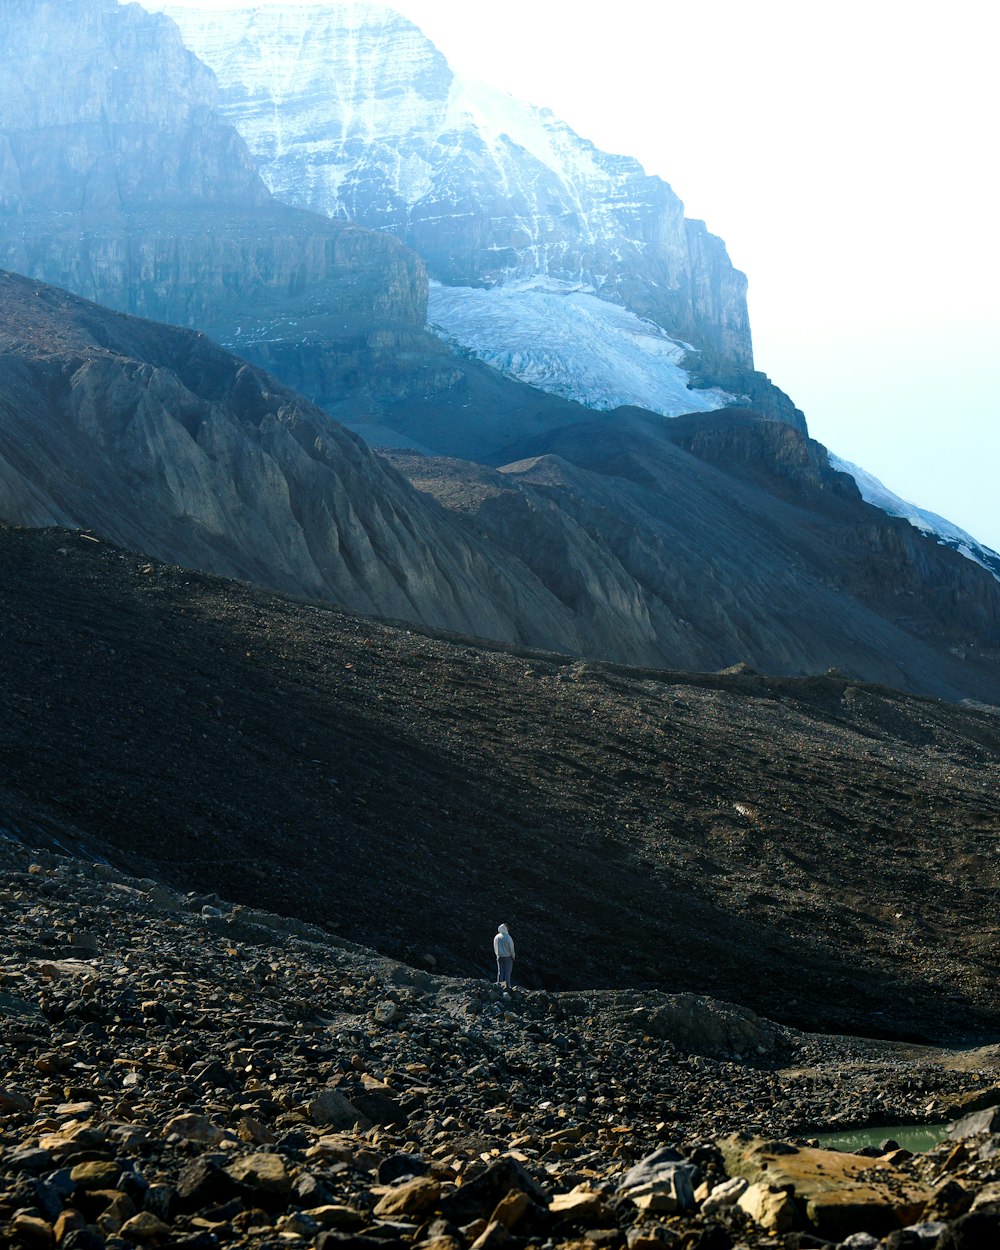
column 120, row 181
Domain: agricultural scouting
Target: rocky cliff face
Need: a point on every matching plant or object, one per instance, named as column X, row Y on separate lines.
column 120, row 181
column 352, row 112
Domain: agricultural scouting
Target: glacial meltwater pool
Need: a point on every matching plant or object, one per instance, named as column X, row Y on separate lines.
column 914, row 1137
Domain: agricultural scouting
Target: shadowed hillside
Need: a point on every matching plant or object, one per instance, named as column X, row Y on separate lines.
column 817, row 849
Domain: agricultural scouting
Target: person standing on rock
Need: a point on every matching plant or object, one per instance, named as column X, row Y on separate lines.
column 503, row 948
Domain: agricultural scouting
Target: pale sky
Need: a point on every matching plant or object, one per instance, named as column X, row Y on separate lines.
column 846, row 153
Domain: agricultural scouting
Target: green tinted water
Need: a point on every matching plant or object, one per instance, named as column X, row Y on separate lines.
column 913, row 1137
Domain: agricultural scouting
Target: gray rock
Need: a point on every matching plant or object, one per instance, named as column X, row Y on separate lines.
column 330, row 1108
column 979, row 1122
column 660, row 1182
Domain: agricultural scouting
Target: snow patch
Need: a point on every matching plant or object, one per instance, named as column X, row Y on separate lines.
column 937, row 527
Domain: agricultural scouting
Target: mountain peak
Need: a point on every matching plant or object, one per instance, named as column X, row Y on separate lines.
column 352, row 112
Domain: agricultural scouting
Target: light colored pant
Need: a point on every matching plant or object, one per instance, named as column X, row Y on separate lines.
column 505, row 968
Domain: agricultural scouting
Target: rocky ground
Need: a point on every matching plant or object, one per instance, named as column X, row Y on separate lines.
column 183, row 1071
column 818, row 850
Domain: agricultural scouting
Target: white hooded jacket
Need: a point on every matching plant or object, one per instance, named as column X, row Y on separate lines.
column 503, row 944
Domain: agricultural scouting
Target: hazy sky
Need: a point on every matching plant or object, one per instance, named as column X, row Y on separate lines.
column 846, row 153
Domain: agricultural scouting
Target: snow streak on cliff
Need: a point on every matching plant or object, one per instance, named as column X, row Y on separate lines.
column 943, row 531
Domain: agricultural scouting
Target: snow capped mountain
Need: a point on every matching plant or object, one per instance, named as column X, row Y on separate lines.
column 558, row 264
column 566, row 341
column 351, row 111
column 942, row 531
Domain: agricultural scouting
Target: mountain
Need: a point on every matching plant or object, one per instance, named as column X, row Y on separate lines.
column 626, row 539
column 558, row 264
column 724, row 538
column 609, row 535
column 816, row 849
column 120, row 181
column 351, row 111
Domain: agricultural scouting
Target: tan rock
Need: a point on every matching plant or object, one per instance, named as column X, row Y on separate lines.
column 68, row 1222
column 493, row 1235
column 411, row 1198
column 32, row 1231
column 76, row 1110
column 145, row 1229
column 341, row 1148
column 842, row 1193
column 250, row 1130
column 337, row 1216
column 119, row 1208
column 773, row 1209
column 196, row 1128
column 298, row 1224
column 263, row 1173
column 95, row 1174
column 725, row 1195
column 581, row 1202
column 511, row 1208
column 655, row 1196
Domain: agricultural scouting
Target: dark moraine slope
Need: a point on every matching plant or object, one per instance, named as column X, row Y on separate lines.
column 722, row 538
column 696, row 544
column 818, row 849
column 165, row 443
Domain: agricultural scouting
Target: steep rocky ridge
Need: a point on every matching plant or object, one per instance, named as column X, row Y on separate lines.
column 818, row 850
column 163, row 442
column 945, row 532
column 722, row 538
column 351, row 111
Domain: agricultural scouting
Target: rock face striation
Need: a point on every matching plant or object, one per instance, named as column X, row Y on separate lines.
column 351, row 111
column 722, row 538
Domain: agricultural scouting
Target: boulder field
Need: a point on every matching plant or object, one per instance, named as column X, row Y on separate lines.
column 180, row 1071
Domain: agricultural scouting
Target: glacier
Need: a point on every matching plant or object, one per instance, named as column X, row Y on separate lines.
column 564, row 340
column 944, row 532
